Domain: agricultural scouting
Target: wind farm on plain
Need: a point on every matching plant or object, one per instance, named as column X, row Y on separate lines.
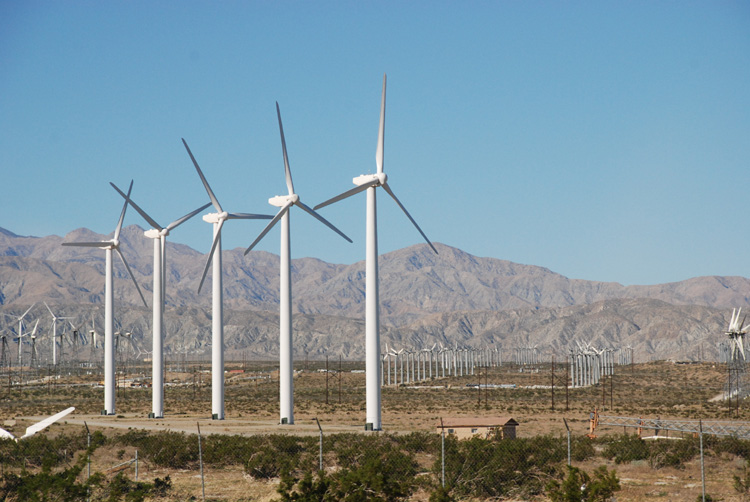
column 465, row 339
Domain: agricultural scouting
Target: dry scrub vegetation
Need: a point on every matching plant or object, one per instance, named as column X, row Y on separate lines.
column 337, row 400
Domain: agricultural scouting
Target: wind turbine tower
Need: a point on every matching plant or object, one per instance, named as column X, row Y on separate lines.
column 370, row 182
column 285, row 202
column 109, row 323
column 217, row 219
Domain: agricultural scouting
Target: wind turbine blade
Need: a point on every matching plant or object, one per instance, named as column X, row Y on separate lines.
column 27, row 311
column 140, row 211
column 381, row 133
column 393, row 196
column 270, row 225
column 348, row 193
column 33, row 429
column 323, row 220
column 211, row 195
column 182, row 220
column 122, row 213
column 214, row 244
column 248, row 216
column 287, row 171
column 6, row 435
column 124, row 261
column 35, row 325
column 105, row 244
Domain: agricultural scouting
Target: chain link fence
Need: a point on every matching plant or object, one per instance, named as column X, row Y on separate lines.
column 85, row 464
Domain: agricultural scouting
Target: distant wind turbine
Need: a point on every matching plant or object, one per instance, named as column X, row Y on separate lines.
column 285, row 202
column 109, row 324
column 159, row 235
column 370, row 182
column 20, row 334
column 217, row 316
column 54, row 334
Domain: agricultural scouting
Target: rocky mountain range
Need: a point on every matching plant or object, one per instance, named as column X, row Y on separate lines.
column 449, row 298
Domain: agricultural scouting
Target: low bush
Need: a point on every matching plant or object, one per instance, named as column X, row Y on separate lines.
column 625, row 448
column 672, row 453
column 578, row 486
column 383, row 473
column 165, row 449
column 278, row 454
column 503, row 468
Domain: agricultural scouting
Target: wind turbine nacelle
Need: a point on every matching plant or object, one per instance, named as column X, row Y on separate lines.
column 215, row 217
column 283, row 200
column 369, row 178
column 152, row 233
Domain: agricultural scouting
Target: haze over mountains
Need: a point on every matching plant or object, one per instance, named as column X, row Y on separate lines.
column 449, row 298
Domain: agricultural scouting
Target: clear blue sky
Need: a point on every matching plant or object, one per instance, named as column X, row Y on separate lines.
column 603, row 140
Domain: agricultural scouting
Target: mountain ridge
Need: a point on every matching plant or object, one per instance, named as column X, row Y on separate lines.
column 420, row 293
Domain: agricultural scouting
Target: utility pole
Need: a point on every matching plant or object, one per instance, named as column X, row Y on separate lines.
column 553, row 382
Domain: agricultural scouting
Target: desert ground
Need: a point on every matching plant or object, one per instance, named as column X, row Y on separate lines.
column 336, row 400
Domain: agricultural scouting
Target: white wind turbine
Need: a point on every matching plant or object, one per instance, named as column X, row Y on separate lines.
column 285, row 202
column 54, row 333
column 217, row 316
column 159, row 235
column 34, row 360
column 109, row 323
column 370, row 182
column 736, row 333
column 32, row 337
column 20, row 334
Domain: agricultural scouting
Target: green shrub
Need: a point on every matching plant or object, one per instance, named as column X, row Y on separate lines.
column 165, row 449
column 578, row 486
column 581, row 449
column 728, row 444
column 60, row 486
column 501, row 468
column 387, row 474
column 41, row 450
column 309, row 489
column 418, row 442
column 672, row 453
column 278, row 454
column 626, row 448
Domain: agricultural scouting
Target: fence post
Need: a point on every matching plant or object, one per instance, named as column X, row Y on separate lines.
column 136, row 465
column 200, row 461
column 568, row 428
column 320, row 454
column 442, row 452
column 88, row 460
column 703, row 472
